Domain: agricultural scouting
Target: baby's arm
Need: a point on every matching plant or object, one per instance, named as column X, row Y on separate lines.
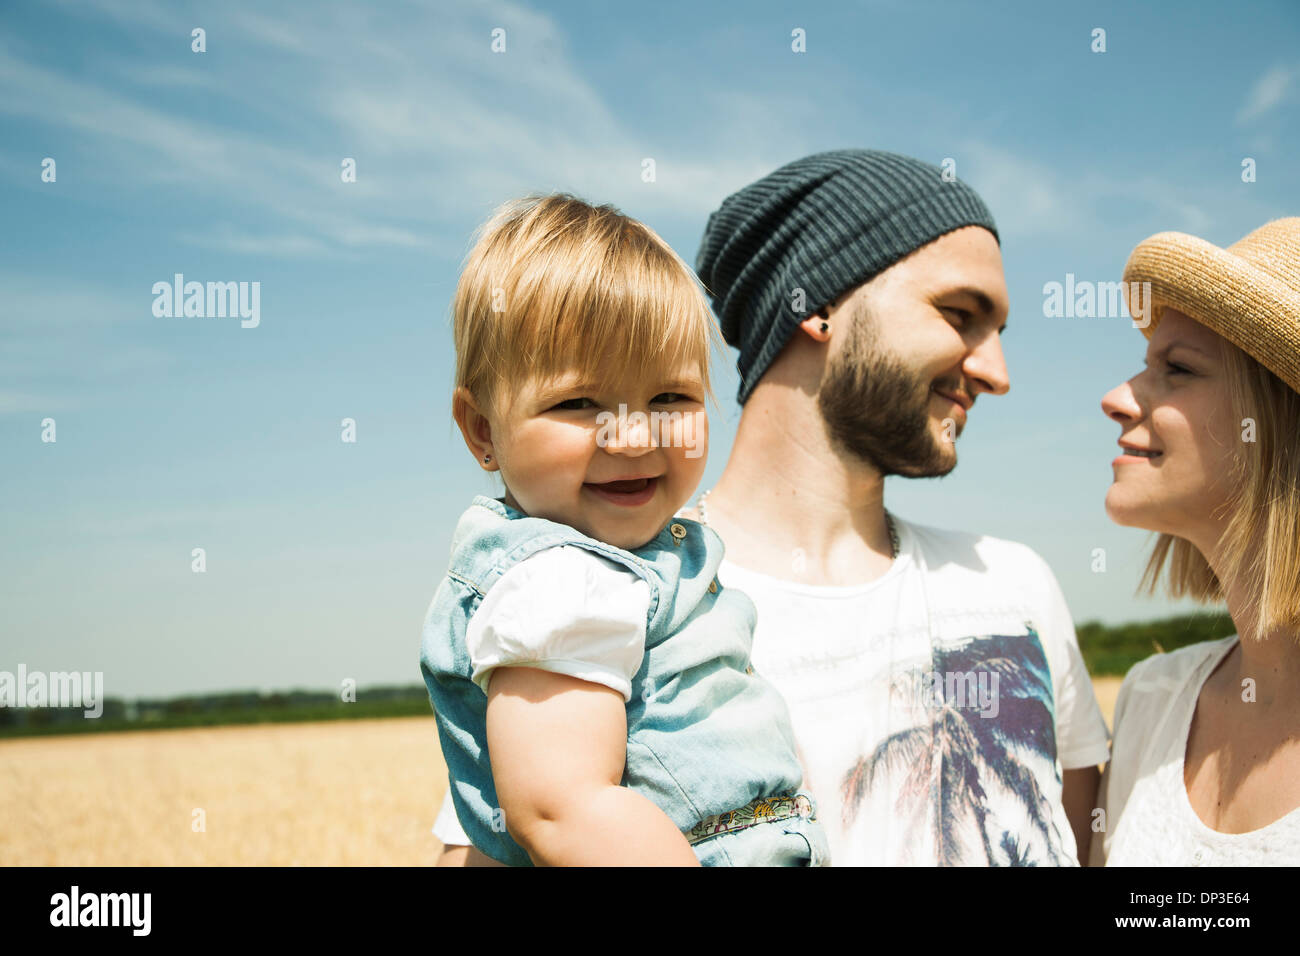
column 559, row 746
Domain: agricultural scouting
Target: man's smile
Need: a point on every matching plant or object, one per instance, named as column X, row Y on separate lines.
column 958, row 403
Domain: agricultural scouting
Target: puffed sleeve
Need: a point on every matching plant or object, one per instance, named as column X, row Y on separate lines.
column 566, row 610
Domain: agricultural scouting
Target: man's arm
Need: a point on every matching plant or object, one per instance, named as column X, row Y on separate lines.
column 1097, row 855
column 1081, row 735
column 1079, row 796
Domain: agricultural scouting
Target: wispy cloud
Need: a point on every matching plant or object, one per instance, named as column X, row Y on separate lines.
column 1025, row 196
column 1030, row 197
column 29, row 403
column 441, row 128
column 161, row 76
column 59, row 339
column 1269, row 91
column 31, row 305
column 274, row 246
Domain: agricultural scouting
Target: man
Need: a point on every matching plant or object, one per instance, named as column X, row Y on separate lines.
column 942, row 710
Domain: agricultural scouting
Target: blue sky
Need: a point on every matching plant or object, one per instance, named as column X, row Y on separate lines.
column 322, row 556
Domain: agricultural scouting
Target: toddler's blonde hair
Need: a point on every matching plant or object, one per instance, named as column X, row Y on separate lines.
column 554, row 284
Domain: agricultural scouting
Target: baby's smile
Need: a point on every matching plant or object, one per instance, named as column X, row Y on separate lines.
column 628, row 492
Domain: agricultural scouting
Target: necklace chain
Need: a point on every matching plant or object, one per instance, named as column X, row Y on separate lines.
column 889, row 523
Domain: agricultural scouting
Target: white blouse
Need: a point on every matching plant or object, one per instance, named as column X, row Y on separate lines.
column 566, row 610
column 1150, row 818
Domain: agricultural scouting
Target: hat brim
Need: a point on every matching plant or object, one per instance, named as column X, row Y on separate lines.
column 1222, row 291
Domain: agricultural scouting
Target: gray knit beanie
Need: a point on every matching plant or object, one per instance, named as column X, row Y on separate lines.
column 825, row 224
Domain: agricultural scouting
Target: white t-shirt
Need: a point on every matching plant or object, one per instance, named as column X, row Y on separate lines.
column 1150, row 819
column 857, row 667
column 898, row 780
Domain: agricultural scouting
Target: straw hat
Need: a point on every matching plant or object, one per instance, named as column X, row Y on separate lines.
column 1249, row 292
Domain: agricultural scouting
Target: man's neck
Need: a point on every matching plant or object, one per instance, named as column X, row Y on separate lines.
column 791, row 505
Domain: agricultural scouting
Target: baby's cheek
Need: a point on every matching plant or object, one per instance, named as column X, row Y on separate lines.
column 548, row 480
column 690, row 437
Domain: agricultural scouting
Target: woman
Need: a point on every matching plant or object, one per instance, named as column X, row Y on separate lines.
column 1205, row 767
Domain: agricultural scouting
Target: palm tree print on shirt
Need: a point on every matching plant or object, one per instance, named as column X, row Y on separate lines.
column 970, row 774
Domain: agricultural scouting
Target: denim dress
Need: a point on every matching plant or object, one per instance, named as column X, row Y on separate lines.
column 705, row 735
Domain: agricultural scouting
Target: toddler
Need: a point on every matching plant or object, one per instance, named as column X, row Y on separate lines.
column 590, row 675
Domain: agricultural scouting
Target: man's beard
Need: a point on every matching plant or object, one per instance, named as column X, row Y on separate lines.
column 878, row 411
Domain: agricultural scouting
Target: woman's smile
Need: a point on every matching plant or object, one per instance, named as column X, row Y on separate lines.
column 1136, row 454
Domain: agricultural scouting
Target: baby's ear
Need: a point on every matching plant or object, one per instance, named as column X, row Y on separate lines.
column 475, row 428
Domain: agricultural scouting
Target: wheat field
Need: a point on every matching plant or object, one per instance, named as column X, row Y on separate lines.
column 334, row 793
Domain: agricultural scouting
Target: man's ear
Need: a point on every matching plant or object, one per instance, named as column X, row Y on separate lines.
column 474, row 428
column 818, row 325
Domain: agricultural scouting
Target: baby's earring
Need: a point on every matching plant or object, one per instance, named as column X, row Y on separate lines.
column 486, row 459
column 822, row 314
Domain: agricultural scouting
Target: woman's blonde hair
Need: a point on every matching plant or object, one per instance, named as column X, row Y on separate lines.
column 1260, row 547
column 554, row 284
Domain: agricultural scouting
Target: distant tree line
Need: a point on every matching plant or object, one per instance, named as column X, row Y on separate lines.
column 1107, row 650
column 206, row 710
column 1113, row 649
